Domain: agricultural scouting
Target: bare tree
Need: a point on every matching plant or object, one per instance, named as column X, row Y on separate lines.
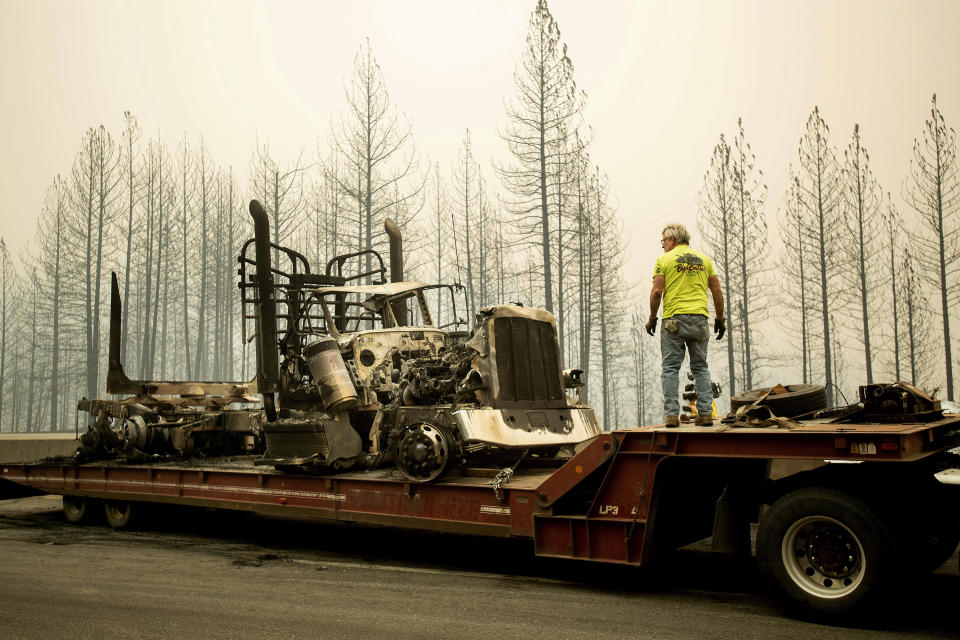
column 821, row 190
column 584, row 233
column 933, row 191
column 207, row 176
column 838, row 362
column 795, row 265
column 547, row 106
column 466, row 196
column 484, row 240
column 442, row 254
column 230, row 212
column 749, row 196
column 734, row 229
column 381, row 171
column 609, row 291
column 166, row 294
column 281, row 191
column 187, row 191
column 646, row 376
column 916, row 339
column 131, row 134
column 157, row 202
column 51, row 240
column 893, row 249
column 96, row 175
column 326, row 210
column 716, row 224
column 562, row 170
column 5, row 276
column 33, row 286
column 862, row 199
column 16, row 323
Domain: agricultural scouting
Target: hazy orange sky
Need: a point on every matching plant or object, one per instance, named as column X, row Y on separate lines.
column 663, row 79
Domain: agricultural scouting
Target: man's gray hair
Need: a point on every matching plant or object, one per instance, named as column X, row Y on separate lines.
column 678, row 232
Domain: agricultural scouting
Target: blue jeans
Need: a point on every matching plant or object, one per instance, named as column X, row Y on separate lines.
column 690, row 332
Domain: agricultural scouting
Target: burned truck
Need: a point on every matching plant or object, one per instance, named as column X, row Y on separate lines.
column 353, row 372
column 356, row 374
column 149, row 420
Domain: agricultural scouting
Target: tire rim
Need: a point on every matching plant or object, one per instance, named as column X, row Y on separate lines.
column 423, row 452
column 823, row 557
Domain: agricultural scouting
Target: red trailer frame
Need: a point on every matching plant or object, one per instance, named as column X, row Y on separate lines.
column 625, row 496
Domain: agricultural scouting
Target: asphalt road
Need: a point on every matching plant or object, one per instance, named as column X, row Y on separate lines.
column 204, row 574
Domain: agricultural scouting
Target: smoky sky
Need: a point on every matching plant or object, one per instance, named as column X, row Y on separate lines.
column 663, row 81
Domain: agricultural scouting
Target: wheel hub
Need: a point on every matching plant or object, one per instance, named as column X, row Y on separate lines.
column 423, row 452
column 823, row 557
column 832, row 552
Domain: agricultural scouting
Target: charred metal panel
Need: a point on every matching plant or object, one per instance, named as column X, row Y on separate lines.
column 527, row 360
column 512, row 428
column 298, row 440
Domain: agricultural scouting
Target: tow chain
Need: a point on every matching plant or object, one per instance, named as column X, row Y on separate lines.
column 503, row 477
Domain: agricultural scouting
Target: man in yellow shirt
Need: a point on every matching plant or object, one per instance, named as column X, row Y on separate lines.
column 681, row 278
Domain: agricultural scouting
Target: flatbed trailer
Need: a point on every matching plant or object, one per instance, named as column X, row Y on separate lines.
column 873, row 502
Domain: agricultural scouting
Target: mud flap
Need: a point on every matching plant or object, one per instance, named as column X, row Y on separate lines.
column 731, row 524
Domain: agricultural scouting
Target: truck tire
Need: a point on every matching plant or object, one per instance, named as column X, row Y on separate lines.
column 76, row 509
column 826, row 552
column 119, row 513
column 799, row 399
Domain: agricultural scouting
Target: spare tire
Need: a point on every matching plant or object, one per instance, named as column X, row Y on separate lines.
column 799, row 399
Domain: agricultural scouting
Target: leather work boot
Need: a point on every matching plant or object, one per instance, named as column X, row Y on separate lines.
column 671, row 422
column 703, row 421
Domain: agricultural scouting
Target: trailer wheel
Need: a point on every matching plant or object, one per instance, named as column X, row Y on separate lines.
column 76, row 509
column 119, row 513
column 825, row 551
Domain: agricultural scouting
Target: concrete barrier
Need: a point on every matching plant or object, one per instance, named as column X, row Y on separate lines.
column 29, row 447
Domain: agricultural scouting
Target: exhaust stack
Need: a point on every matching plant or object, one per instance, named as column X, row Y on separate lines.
column 396, row 266
column 268, row 363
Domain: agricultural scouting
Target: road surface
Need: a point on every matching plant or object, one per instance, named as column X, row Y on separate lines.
column 203, row 574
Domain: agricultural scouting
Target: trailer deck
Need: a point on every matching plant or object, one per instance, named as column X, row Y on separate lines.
column 543, row 503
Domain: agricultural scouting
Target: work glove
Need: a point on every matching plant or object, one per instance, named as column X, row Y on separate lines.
column 720, row 327
column 651, row 325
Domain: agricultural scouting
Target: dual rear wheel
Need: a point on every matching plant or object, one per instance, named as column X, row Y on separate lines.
column 80, row 510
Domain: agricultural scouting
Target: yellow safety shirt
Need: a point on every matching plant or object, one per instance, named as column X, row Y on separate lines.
column 685, row 273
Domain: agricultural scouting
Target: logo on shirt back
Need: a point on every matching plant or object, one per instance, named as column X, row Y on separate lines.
column 689, row 262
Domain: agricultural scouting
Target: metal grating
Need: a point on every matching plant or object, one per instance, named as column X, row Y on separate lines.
column 528, row 362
